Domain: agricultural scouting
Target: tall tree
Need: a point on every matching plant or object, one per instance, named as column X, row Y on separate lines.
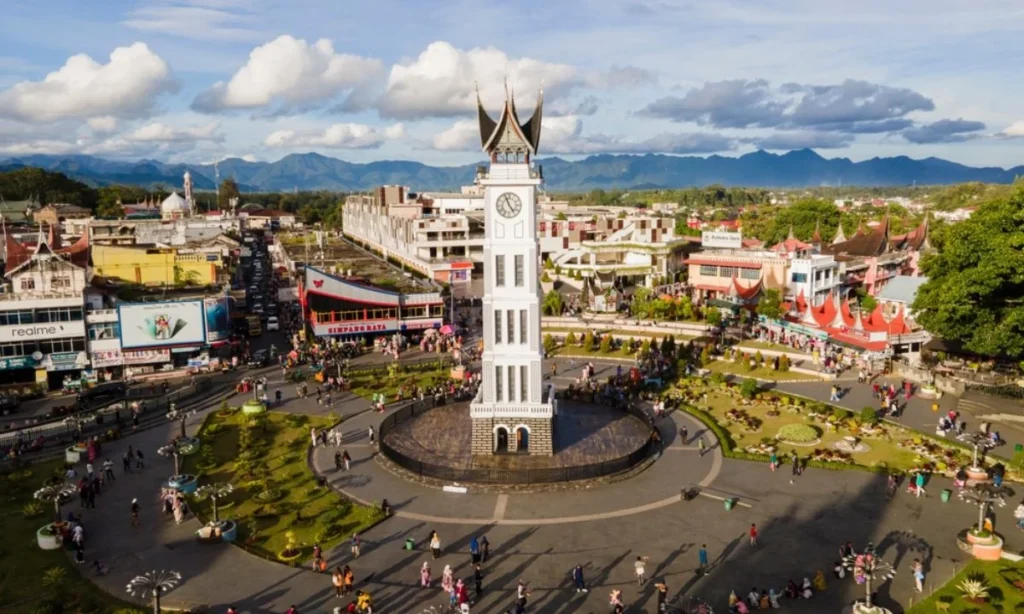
column 770, row 305
column 975, row 288
column 228, row 190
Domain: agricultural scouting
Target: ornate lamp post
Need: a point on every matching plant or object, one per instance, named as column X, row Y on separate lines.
column 172, row 451
column 869, row 568
column 153, row 584
column 55, row 492
column 984, row 495
column 215, row 492
column 180, row 414
column 978, row 441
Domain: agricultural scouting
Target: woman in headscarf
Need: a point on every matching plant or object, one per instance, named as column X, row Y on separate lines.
column 792, row 590
column 773, row 598
column 447, row 581
column 461, row 592
column 805, row 589
column 819, row 581
column 425, row 575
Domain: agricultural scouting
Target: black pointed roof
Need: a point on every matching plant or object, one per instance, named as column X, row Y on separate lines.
column 490, row 130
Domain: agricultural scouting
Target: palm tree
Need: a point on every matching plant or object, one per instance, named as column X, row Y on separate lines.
column 153, row 584
column 55, row 492
column 215, row 492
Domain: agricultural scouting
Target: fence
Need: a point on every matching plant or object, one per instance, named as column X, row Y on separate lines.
column 508, row 476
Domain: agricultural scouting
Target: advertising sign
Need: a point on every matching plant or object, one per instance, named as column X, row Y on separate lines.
column 51, row 330
column 421, row 324
column 354, row 328
column 107, row 359
column 146, row 325
column 19, row 362
column 722, row 239
column 218, row 319
column 143, row 357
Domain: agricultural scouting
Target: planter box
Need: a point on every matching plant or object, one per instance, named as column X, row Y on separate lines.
column 253, row 407
column 184, row 483
column 47, row 542
column 73, row 455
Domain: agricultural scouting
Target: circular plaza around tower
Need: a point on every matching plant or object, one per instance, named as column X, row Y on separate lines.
column 589, row 440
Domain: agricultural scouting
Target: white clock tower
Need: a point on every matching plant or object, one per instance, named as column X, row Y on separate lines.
column 513, row 412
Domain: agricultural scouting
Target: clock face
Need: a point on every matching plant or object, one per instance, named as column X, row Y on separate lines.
column 509, row 205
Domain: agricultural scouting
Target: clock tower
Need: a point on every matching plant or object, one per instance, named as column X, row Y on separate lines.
column 513, row 412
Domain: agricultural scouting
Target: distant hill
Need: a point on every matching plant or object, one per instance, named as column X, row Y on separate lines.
column 312, row 171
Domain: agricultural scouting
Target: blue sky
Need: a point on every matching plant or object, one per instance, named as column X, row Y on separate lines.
column 200, row 80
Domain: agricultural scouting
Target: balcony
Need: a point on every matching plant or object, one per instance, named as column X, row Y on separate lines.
column 512, row 410
column 31, row 295
column 101, row 316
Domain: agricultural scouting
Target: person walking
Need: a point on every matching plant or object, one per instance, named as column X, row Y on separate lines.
column 338, row 580
column 684, row 434
column 640, row 568
column 140, row 460
column 126, row 461
column 356, row 543
column 435, row 544
column 661, row 589
column 753, row 534
column 337, row 461
column 918, row 569
column 345, row 458
column 108, row 470
column 474, row 550
column 478, row 577
column 425, row 575
column 485, row 547
column 371, row 434
column 919, row 484
column 702, row 560
column 135, row 512
column 701, row 446
column 577, row 579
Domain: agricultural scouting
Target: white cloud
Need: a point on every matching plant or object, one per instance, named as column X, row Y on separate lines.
column 464, row 135
column 126, row 86
column 102, row 125
column 162, row 133
column 395, row 131
column 195, row 20
column 291, row 72
column 337, row 136
column 442, row 81
column 1014, row 130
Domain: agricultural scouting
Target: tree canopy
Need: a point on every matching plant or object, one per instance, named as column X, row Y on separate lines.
column 228, row 190
column 975, row 291
column 770, row 305
column 45, row 187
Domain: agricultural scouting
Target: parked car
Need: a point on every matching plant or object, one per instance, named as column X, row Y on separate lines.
column 259, row 359
column 8, row 404
column 272, row 323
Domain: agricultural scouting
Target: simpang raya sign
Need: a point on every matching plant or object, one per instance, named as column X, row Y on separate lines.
column 145, row 325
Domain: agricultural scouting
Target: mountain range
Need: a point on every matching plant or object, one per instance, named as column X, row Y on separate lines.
column 312, row 171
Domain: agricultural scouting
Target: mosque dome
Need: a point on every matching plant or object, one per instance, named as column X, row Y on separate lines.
column 173, row 205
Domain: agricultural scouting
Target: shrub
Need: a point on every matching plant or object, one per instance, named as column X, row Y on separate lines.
column 759, row 358
column 868, row 415
column 748, row 388
column 784, row 363
column 588, row 341
column 549, row 343
column 606, row 344
column 32, row 509
column 705, row 356
column 627, row 347
column 717, row 378
column 544, row 277
column 328, row 533
column 798, row 433
column 840, row 413
column 645, row 348
column 570, row 339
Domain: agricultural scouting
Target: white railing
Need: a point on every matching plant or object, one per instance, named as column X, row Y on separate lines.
column 511, row 410
column 101, row 316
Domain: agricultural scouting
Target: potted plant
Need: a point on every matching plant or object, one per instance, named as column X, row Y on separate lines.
column 291, row 551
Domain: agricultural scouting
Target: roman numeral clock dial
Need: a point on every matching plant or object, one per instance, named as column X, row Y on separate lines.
column 509, row 205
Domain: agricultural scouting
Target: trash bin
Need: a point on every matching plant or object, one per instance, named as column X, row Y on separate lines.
column 410, row 544
column 1018, row 448
column 729, row 503
column 946, row 493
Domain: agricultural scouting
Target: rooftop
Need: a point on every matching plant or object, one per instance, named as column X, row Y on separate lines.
column 901, row 289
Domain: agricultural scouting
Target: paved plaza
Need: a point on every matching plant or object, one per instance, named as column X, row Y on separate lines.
column 539, row 537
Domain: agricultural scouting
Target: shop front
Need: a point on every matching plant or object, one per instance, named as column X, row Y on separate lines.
column 64, row 370
column 17, row 371
column 140, row 362
column 108, row 365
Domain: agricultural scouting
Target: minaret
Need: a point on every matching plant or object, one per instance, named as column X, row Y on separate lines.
column 191, row 204
column 513, row 412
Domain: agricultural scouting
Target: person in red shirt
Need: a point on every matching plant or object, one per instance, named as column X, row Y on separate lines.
column 753, row 534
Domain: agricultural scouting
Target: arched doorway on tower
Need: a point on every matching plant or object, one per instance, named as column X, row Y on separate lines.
column 522, row 440
column 500, row 440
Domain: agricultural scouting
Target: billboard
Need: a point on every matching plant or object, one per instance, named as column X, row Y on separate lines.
column 218, row 319
column 721, row 238
column 146, row 325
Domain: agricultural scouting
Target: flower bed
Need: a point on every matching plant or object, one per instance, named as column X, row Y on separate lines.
column 799, row 434
column 744, row 419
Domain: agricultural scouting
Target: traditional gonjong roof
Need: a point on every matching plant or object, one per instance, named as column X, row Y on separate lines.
column 491, row 131
column 864, row 243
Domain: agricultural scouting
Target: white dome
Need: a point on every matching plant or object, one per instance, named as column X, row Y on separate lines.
column 173, row 204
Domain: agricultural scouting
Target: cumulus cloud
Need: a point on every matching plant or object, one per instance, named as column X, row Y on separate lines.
column 337, row 136
column 102, row 125
column 442, row 81
column 584, row 107
column 290, row 72
column 126, row 86
column 565, row 135
column 624, row 76
column 158, row 132
column 851, row 106
column 944, row 131
column 1013, row 131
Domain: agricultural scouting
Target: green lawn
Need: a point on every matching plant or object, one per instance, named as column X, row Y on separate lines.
column 889, row 446
column 765, row 345
column 275, row 491
column 368, row 383
column 733, row 368
column 561, row 330
column 1003, row 596
column 24, row 568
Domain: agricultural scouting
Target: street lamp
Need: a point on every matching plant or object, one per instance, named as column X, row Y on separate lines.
column 180, row 414
column 173, row 451
column 869, row 568
column 214, row 492
column 978, row 441
column 984, row 495
column 153, row 584
column 55, row 492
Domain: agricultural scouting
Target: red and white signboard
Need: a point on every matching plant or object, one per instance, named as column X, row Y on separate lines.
column 354, row 328
column 143, row 357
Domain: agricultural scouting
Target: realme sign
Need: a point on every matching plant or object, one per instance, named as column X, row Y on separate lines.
column 55, row 330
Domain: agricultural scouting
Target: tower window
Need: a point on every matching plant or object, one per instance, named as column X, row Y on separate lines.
column 511, row 325
column 511, row 383
column 499, row 271
column 523, row 396
column 497, row 326
column 522, row 326
column 519, row 270
column 499, row 395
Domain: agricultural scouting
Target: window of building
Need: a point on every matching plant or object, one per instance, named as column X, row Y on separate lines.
column 17, row 348
column 62, row 281
column 708, row 270
column 523, row 388
column 499, row 271
column 28, row 283
column 104, row 331
column 522, row 326
column 750, row 274
column 498, row 393
column 799, row 278
column 511, row 383
column 728, row 271
column 497, row 326
column 50, row 346
column 511, row 326
column 519, row 271
column 817, row 276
